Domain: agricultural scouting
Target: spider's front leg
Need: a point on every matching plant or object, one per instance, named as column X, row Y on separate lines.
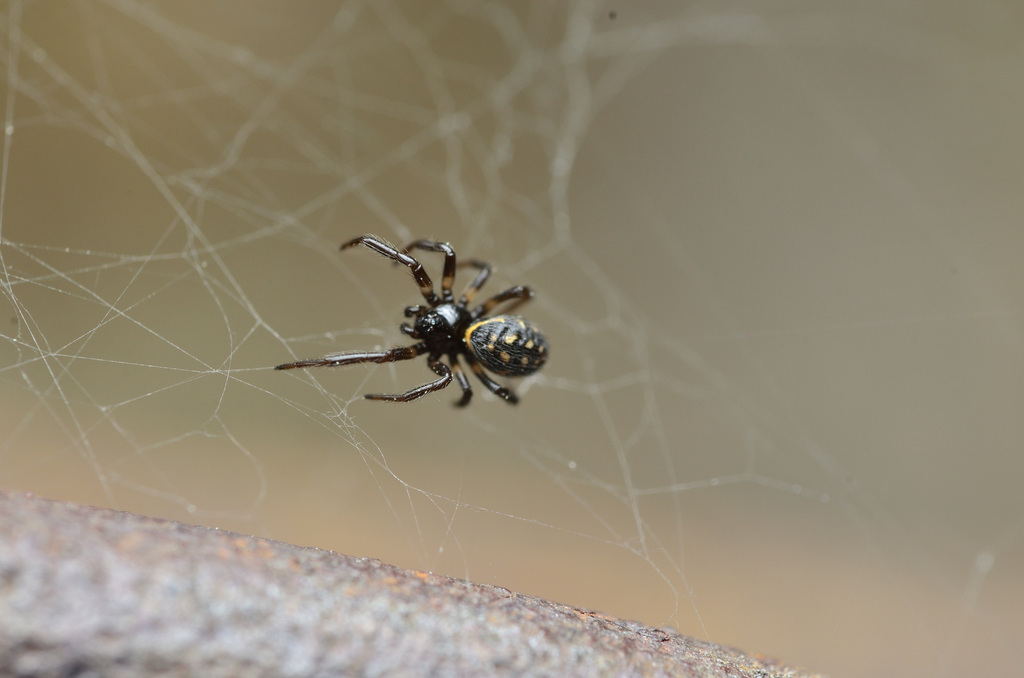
column 384, row 248
column 392, row 355
column 448, row 277
column 478, row 281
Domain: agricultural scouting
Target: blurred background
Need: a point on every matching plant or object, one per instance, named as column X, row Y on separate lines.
column 776, row 249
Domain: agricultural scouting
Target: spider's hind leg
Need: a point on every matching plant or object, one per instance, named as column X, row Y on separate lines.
column 444, row 378
column 518, row 295
column 460, row 377
column 494, row 387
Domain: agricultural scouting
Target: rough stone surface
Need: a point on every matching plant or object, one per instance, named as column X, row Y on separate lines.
column 86, row 591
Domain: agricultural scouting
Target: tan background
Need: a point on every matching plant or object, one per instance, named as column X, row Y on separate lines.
column 777, row 249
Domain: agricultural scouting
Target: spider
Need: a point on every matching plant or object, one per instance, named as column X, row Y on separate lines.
column 507, row 345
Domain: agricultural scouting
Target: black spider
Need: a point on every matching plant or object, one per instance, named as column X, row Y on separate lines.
column 507, row 345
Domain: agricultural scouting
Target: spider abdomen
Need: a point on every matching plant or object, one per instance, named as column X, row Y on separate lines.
column 508, row 345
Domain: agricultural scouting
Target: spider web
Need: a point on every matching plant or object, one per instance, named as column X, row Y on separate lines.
column 776, row 251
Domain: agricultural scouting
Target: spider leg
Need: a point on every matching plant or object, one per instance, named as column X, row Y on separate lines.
column 519, row 293
column 448, row 277
column 460, row 377
column 444, row 378
column 492, row 386
column 478, row 281
column 384, row 248
column 391, row 355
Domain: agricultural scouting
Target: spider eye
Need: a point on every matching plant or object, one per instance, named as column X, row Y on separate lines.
column 439, row 324
column 508, row 345
column 429, row 324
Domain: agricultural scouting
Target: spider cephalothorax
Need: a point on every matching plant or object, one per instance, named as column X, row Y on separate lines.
column 508, row 345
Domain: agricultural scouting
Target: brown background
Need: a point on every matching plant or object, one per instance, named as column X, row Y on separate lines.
column 777, row 249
